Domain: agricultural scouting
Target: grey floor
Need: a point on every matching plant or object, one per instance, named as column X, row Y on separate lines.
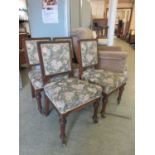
column 114, row 135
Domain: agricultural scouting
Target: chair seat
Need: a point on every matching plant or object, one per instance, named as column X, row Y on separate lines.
column 69, row 94
column 36, row 78
column 108, row 80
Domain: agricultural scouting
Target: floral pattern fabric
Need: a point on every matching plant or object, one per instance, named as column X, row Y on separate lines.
column 56, row 58
column 89, row 53
column 32, row 51
column 36, row 78
column 108, row 80
column 66, row 39
column 71, row 93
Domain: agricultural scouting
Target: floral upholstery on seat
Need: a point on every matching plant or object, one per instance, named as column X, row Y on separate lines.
column 71, row 93
column 36, row 78
column 32, row 52
column 56, row 57
column 89, row 53
column 108, row 80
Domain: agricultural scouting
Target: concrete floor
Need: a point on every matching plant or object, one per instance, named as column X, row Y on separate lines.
column 114, row 135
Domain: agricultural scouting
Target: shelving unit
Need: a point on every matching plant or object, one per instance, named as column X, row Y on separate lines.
column 24, row 31
column 100, row 26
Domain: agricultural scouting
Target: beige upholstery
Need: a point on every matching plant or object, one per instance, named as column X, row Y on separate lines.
column 80, row 33
column 113, row 61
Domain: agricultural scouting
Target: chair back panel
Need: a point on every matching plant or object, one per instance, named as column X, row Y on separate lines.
column 55, row 57
column 32, row 51
column 66, row 39
column 89, row 54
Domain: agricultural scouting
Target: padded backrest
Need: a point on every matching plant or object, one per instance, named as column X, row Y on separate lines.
column 80, row 33
column 66, row 39
column 88, row 51
column 32, row 51
column 55, row 57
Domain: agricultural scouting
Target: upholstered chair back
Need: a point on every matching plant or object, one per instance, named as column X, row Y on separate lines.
column 88, row 52
column 55, row 57
column 32, row 51
column 70, row 39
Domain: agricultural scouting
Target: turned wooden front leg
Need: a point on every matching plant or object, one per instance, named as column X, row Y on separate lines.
column 121, row 89
column 95, row 105
column 38, row 97
column 104, row 104
column 32, row 91
column 62, row 129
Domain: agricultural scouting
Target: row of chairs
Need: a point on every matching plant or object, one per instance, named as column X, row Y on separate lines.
column 55, row 77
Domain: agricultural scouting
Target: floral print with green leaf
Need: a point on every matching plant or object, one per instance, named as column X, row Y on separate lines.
column 32, row 51
column 108, row 80
column 56, row 58
column 69, row 94
column 89, row 53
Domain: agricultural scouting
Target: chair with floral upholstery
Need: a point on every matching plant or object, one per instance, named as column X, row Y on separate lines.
column 110, row 81
column 34, row 73
column 68, row 94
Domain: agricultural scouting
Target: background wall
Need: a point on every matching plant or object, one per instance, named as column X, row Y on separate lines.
column 86, row 14
column 97, row 8
column 75, row 13
column 132, row 25
column 40, row 29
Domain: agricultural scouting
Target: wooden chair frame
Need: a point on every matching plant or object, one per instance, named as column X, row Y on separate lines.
column 62, row 117
column 105, row 95
column 35, row 93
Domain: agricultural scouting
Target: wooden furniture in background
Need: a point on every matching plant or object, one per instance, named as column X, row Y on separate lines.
column 101, row 27
column 22, row 37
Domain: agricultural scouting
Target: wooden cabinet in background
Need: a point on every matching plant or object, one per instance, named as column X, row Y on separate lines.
column 22, row 37
column 100, row 27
